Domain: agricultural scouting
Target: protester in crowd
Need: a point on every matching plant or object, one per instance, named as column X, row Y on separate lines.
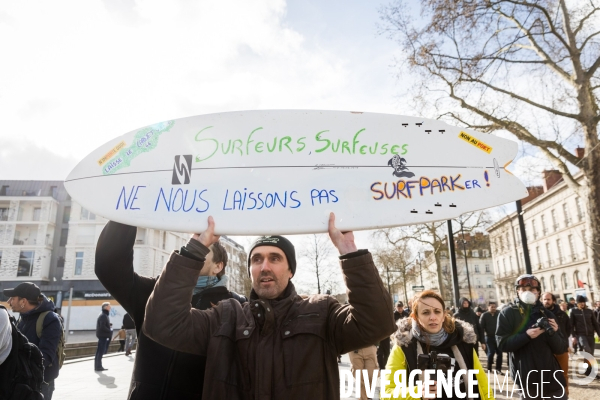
column 364, row 359
column 489, row 322
column 429, row 329
column 466, row 313
column 121, row 334
column 383, row 351
column 5, row 336
column 32, row 305
column 572, row 304
column 278, row 345
column 103, row 333
column 159, row 373
column 479, row 311
column 584, row 325
column 400, row 312
column 597, row 312
column 564, row 323
column 130, row 333
column 530, row 348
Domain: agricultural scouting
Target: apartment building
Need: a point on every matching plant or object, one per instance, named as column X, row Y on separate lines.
column 475, row 271
column 555, row 227
column 49, row 239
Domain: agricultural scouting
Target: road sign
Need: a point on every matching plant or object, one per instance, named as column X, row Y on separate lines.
column 418, row 288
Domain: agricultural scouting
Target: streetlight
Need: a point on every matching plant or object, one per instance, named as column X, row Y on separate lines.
column 465, row 255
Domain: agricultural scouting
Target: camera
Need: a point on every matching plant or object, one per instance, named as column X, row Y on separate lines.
column 434, row 361
column 543, row 323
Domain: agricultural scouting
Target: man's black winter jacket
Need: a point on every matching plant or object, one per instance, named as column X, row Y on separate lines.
column 159, row 373
column 527, row 356
column 583, row 322
column 468, row 315
column 489, row 322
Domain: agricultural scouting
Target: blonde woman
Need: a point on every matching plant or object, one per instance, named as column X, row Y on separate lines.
column 430, row 328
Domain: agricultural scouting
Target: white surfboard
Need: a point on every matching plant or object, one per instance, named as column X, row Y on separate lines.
column 282, row 172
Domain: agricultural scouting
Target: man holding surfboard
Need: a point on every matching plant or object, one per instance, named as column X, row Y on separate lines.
column 278, row 345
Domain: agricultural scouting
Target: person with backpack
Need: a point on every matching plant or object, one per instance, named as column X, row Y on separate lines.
column 21, row 363
column 41, row 326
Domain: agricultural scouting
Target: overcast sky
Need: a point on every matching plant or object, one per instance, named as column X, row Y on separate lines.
column 75, row 74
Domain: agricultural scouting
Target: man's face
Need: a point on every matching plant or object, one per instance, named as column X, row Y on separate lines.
column 598, row 304
column 547, row 300
column 399, row 309
column 465, row 304
column 572, row 301
column 270, row 271
column 210, row 268
column 493, row 308
column 581, row 305
column 16, row 303
column 563, row 306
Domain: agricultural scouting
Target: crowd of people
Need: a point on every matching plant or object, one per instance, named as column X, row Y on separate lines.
column 197, row 339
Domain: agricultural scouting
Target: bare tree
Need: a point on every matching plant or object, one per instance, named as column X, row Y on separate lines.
column 527, row 67
column 433, row 236
column 318, row 253
column 396, row 267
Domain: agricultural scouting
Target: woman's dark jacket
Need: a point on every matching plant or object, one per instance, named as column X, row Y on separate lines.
column 158, row 372
column 529, row 356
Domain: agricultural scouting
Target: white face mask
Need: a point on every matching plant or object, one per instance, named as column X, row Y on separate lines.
column 527, row 297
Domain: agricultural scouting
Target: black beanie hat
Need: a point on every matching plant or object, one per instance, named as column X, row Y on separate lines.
column 581, row 299
column 280, row 242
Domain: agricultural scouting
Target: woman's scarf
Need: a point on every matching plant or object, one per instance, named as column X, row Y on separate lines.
column 207, row 282
column 433, row 339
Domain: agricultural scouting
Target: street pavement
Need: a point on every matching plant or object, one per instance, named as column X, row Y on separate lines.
column 78, row 380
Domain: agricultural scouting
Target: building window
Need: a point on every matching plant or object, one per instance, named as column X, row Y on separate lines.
column 555, row 224
column 0, row 258
column 585, row 245
column 64, row 236
column 589, row 279
column 60, row 263
column 534, row 229
column 508, row 241
column 549, row 254
column 25, row 263
column 478, row 283
column 504, row 264
column 477, row 269
column 37, row 212
column 576, row 279
column 580, row 211
column 66, row 215
column 4, row 214
column 522, row 261
column 87, row 215
column 539, row 257
column 543, row 282
column 512, row 268
column 487, row 268
column 486, row 253
column 553, row 283
column 489, row 282
column 567, row 216
column 564, row 281
column 475, row 253
column 78, row 262
column 544, row 229
column 560, row 251
column 572, row 248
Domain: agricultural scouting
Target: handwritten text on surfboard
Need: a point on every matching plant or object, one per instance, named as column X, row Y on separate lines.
column 196, row 200
column 324, row 143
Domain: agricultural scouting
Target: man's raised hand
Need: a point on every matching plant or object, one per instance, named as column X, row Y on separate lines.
column 343, row 241
column 207, row 237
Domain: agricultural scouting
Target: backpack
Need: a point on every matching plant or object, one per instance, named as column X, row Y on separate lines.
column 22, row 373
column 60, row 349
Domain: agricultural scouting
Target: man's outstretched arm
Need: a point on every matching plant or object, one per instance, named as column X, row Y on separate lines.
column 170, row 319
column 369, row 316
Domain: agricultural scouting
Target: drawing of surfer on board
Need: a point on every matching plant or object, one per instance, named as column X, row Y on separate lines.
column 400, row 169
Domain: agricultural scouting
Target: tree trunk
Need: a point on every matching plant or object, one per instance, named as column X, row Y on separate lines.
column 592, row 174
